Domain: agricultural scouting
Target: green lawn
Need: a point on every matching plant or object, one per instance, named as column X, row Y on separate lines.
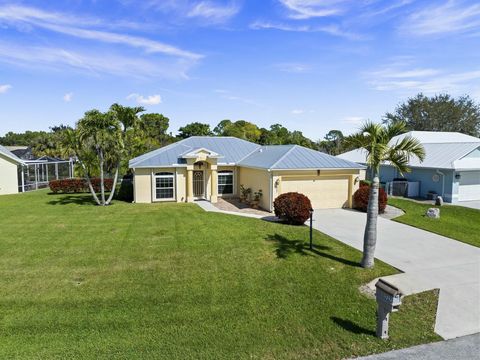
column 455, row 222
column 170, row 281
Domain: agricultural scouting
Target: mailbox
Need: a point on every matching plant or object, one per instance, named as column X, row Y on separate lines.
column 388, row 296
column 389, row 299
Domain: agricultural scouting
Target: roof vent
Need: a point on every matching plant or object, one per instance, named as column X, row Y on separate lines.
column 261, row 150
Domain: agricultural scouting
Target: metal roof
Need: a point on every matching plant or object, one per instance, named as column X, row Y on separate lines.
column 7, row 153
column 441, row 155
column 231, row 149
column 236, row 151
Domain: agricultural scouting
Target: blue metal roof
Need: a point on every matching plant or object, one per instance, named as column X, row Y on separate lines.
column 236, row 151
column 231, row 150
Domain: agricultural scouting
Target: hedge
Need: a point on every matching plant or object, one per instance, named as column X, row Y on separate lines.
column 361, row 197
column 78, row 185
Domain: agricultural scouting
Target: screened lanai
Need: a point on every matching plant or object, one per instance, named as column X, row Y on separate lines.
column 35, row 174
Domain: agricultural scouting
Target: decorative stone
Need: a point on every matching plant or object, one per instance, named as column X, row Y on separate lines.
column 439, row 201
column 433, row 213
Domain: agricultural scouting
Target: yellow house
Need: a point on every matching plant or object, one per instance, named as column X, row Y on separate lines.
column 205, row 168
column 9, row 163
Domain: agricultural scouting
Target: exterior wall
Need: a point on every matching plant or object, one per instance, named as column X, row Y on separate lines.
column 8, row 176
column 143, row 186
column 342, row 189
column 444, row 186
column 236, row 179
column 257, row 179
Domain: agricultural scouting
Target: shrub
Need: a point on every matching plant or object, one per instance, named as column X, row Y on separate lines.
column 125, row 192
column 360, row 199
column 365, row 183
column 293, row 208
column 78, row 185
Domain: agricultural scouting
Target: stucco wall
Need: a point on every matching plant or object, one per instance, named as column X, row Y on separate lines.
column 8, row 176
column 143, row 184
column 257, row 179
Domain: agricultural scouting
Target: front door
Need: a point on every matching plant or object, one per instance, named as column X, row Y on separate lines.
column 198, row 184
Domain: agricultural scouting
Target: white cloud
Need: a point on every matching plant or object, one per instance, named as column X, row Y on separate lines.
column 305, row 9
column 56, row 59
column 354, row 120
column 333, row 29
column 149, row 100
column 4, row 88
column 399, row 77
column 450, row 17
column 68, row 25
column 213, row 12
column 297, row 111
column 68, row 97
column 297, row 68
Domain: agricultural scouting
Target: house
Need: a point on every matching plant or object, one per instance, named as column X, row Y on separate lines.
column 9, row 172
column 203, row 167
column 451, row 167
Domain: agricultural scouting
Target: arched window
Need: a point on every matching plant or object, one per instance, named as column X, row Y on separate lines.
column 225, row 182
column 164, row 186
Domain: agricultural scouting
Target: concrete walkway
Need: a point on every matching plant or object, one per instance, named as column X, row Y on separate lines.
column 208, row 206
column 467, row 347
column 429, row 261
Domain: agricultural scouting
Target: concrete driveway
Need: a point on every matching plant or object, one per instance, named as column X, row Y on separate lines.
column 429, row 261
column 475, row 204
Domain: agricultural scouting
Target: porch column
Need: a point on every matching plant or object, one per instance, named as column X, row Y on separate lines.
column 350, row 191
column 190, row 184
column 214, row 182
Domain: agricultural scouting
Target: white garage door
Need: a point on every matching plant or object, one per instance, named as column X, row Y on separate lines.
column 469, row 186
column 324, row 193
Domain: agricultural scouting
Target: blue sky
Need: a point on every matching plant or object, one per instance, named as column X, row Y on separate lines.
column 311, row 65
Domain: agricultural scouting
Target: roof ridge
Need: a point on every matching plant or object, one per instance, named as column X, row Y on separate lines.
column 283, row 156
column 157, row 151
column 250, row 153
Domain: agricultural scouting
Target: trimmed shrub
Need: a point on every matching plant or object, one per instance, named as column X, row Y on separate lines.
column 360, row 199
column 293, row 208
column 78, row 185
column 365, row 183
column 125, row 192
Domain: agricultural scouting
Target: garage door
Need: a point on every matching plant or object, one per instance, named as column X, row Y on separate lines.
column 323, row 193
column 469, row 186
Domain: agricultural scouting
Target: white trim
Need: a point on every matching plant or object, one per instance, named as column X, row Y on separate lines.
column 154, row 187
column 233, row 182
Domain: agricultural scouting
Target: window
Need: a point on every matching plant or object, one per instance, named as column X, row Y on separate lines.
column 164, row 186
column 225, row 182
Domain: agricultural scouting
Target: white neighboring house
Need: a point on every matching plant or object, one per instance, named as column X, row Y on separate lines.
column 9, row 163
column 451, row 167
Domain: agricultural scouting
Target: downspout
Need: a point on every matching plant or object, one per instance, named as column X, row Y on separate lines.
column 270, row 191
column 443, row 181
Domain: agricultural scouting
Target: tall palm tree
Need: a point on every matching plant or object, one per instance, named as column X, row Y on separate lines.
column 128, row 118
column 101, row 131
column 376, row 140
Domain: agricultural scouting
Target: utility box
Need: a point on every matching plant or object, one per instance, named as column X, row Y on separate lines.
column 389, row 299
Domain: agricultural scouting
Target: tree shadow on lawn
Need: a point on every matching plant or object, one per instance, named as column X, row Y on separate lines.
column 286, row 247
column 72, row 199
column 351, row 326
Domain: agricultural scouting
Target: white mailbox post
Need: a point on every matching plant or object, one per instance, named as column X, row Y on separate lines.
column 389, row 299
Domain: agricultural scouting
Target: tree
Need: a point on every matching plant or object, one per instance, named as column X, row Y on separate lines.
column 376, row 140
column 438, row 113
column 241, row 129
column 194, row 129
column 332, row 143
column 101, row 133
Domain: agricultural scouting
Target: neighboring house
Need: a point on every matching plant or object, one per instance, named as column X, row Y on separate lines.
column 202, row 167
column 23, row 152
column 451, row 167
column 9, row 165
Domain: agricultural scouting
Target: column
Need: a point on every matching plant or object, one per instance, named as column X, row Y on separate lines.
column 214, row 182
column 190, row 184
column 350, row 191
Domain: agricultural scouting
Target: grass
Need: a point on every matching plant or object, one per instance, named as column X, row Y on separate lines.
column 455, row 222
column 169, row 281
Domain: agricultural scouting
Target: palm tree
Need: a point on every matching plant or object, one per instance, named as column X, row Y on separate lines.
column 128, row 118
column 101, row 132
column 376, row 140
